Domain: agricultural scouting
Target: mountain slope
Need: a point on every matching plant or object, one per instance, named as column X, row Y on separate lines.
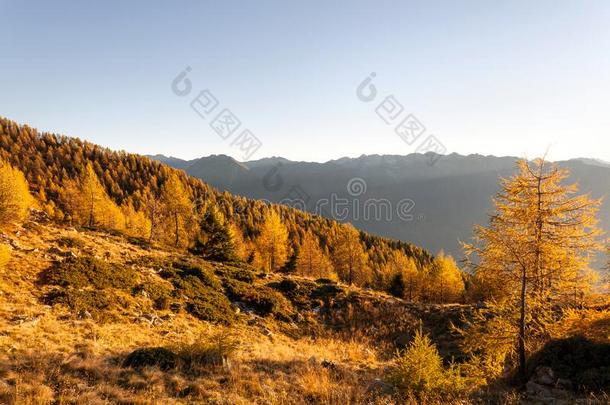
column 70, row 330
column 50, row 161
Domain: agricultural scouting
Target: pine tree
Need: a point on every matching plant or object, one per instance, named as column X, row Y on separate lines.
column 446, row 279
column 272, row 243
column 404, row 277
column 536, row 246
column 241, row 247
column 216, row 240
column 178, row 211
column 88, row 203
column 311, row 260
column 349, row 257
column 15, row 196
column 136, row 222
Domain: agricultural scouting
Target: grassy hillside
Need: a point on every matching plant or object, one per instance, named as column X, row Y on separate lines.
column 75, row 304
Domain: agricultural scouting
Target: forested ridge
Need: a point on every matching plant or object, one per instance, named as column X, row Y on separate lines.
column 58, row 167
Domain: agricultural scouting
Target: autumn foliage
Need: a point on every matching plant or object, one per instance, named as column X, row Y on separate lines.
column 89, row 186
column 533, row 260
column 15, row 196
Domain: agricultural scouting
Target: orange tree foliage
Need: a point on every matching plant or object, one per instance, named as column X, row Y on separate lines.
column 134, row 183
column 535, row 255
column 15, row 197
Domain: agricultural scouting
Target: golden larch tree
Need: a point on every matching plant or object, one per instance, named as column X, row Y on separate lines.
column 447, row 284
column 177, row 211
column 89, row 204
column 401, row 276
column 535, row 250
column 311, row 259
column 349, row 257
column 15, row 198
column 241, row 250
column 136, row 222
column 272, row 242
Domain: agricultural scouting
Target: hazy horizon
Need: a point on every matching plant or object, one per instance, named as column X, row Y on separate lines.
column 356, row 156
column 512, row 79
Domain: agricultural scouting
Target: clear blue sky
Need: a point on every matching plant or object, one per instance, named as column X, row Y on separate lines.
column 504, row 78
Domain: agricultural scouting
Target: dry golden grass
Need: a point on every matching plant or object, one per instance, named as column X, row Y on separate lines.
column 49, row 355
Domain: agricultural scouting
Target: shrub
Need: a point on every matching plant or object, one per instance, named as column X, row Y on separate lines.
column 242, row 273
column 298, row 292
column 97, row 303
column 420, row 367
column 419, row 370
column 214, row 350
column 206, row 300
column 212, row 308
column 158, row 293
column 326, row 290
column 584, row 362
column 264, row 300
column 184, row 270
column 159, row 357
column 88, row 271
column 5, row 255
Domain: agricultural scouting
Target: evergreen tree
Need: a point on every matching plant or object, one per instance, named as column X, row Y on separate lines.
column 536, row 246
column 15, row 196
column 88, row 203
column 349, row 257
column 311, row 260
column 178, row 211
column 404, row 278
column 447, row 284
column 272, row 243
column 216, row 240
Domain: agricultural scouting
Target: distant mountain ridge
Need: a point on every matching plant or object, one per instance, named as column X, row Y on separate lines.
column 450, row 196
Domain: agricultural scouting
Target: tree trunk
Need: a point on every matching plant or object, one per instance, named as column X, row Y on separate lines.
column 153, row 217
column 176, row 229
column 522, row 358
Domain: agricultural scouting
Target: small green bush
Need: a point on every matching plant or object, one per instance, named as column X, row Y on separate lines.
column 185, row 270
column 159, row 357
column 158, row 293
column 298, row 292
column 212, row 308
column 212, row 350
column 264, row 300
column 88, row 284
column 325, row 281
column 326, row 290
column 204, row 293
column 243, row 273
column 87, row 271
column 95, row 302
